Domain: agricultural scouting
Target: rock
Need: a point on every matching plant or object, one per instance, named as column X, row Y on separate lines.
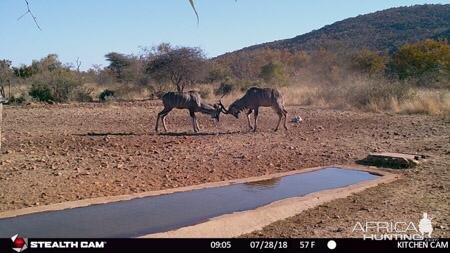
column 391, row 160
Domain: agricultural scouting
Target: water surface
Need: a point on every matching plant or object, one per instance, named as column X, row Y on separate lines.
column 153, row 214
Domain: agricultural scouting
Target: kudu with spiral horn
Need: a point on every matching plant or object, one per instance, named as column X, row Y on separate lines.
column 254, row 98
column 191, row 101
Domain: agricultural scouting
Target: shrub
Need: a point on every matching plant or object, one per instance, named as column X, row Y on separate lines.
column 106, row 94
column 217, row 74
column 82, row 94
column 54, row 86
column 19, row 99
column 426, row 61
column 225, row 88
column 273, row 72
column 367, row 61
column 229, row 87
column 41, row 92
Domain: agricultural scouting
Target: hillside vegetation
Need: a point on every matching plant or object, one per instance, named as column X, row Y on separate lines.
column 378, row 31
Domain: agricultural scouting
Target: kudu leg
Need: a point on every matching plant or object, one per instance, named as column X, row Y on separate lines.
column 279, row 121
column 162, row 115
column 196, row 124
column 194, row 121
column 280, row 114
column 157, row 123
column 164, row 122
column 285, row 118
column 248, row 119
column 256, row 119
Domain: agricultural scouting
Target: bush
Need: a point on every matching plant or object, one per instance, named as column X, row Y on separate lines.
column 225, row 88
column 428, row 62
column 82, row 94
column 41, row 92
column 273, row 72
column 369, row 62
column 106, row 94
column 20, row 99
column 54, row 86
column 217, row 74
column 229, row 87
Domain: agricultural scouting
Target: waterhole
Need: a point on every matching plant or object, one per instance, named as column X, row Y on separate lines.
column 153, row 214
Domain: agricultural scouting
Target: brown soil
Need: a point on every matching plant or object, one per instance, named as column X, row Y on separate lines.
column 58, row 153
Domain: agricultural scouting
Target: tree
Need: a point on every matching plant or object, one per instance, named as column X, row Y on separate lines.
column 427, row 60
column 51, row 80
column 369, row 62
column 119, row 63
column 46, row 64
column 182, row 66
column 273, row 72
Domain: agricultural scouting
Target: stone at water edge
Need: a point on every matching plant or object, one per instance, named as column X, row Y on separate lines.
column 391, row 160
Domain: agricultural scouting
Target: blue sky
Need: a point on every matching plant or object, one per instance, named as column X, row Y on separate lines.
column 89, row 29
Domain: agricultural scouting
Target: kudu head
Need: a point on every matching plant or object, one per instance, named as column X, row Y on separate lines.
column 230, row 110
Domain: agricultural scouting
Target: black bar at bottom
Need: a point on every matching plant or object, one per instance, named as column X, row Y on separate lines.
column 225, row 245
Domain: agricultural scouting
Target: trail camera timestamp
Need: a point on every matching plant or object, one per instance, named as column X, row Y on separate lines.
column 220, row 245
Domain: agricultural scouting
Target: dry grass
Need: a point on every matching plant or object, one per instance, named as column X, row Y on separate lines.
column 365, row 95
column 122, row 91
column 432, row 102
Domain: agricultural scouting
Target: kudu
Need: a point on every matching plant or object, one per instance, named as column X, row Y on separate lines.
column 253, row 99
column 190, row 100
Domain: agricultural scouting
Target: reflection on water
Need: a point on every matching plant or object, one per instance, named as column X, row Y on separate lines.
column 264, row 184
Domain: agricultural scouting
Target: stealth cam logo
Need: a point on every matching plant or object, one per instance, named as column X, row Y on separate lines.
column 19, row 243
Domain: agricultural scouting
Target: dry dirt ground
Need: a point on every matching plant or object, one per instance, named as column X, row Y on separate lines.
column 57, row 153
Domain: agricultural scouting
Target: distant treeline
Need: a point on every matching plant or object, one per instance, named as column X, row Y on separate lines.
column 425, row 64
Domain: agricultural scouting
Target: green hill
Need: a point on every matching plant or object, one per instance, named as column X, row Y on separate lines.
column 383, row 30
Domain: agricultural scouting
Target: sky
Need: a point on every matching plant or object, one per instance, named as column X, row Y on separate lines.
column 89, row 29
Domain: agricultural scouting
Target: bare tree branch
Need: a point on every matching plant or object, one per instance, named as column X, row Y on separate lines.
column 31, row 14
column 195, row 10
